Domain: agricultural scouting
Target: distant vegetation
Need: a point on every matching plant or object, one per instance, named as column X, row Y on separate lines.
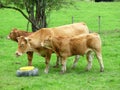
column 87, row 12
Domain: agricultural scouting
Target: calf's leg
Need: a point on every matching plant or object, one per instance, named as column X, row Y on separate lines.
column 58, row 62
column 77, row 57
column 89, row 60
column 63, row 62
column 99, row 57
column 47, row 60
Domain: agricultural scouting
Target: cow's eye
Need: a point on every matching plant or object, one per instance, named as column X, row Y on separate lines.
column 45, row 40
column 10, row 33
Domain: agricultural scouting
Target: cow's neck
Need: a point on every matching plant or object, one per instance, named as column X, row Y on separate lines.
column 30, row 48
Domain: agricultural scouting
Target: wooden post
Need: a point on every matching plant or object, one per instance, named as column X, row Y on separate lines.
column 99, row 23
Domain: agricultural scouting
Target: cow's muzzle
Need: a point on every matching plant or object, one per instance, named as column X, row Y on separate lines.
column 18, row 54
column 42, row 44
column 8, row 37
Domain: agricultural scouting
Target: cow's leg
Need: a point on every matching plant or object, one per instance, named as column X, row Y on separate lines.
column 63, row 62
column 77, row 57
column 57, row 62
column 99, row 57
column 29, row 56
column 47, row 60
column 89, row 60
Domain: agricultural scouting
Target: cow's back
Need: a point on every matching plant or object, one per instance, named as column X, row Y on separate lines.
column 65, row 30
column 71, row 29
column 81, row 43
column 39, row 36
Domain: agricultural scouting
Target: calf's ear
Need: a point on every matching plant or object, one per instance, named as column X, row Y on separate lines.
column 50, row 38
column 27, row 39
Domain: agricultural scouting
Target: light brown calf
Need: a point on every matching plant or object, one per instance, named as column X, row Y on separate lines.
column 35, row 41
column 78, row 45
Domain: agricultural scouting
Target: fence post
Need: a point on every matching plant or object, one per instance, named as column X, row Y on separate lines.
column 72, row 19
column 99, row 24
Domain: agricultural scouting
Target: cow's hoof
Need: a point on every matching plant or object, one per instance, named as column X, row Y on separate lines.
column 29, row 64
column 87, row 69
column 62, row 72
column 73, row 67
column 56, row 66
column 101, row 70
column 27, row 71
column 46, row 71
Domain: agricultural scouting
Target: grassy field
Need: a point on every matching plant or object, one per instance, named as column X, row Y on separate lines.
column 77, row 79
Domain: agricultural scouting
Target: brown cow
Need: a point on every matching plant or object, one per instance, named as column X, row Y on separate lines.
column 14, row 34
column 77, row 45
column 34, row 42
column 17, row 33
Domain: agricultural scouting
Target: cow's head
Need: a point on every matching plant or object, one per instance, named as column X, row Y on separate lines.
column 13, row 35
column 23, row 45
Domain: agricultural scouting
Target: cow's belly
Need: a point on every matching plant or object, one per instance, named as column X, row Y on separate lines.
column 41, row 52
column 81, row 52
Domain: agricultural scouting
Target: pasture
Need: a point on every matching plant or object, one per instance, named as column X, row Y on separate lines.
column 73, row 79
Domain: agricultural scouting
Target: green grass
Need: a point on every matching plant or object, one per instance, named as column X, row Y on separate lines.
column 77, row 79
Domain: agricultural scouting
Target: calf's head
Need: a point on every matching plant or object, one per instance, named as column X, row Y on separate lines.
column 23, row 46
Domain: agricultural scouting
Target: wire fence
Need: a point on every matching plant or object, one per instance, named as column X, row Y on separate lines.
column 98, row 24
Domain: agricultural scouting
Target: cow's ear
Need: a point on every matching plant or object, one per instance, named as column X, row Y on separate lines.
column 18, row 38
column 14, row 29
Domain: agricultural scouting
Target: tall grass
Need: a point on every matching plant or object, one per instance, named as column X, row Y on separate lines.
column 77, row 79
